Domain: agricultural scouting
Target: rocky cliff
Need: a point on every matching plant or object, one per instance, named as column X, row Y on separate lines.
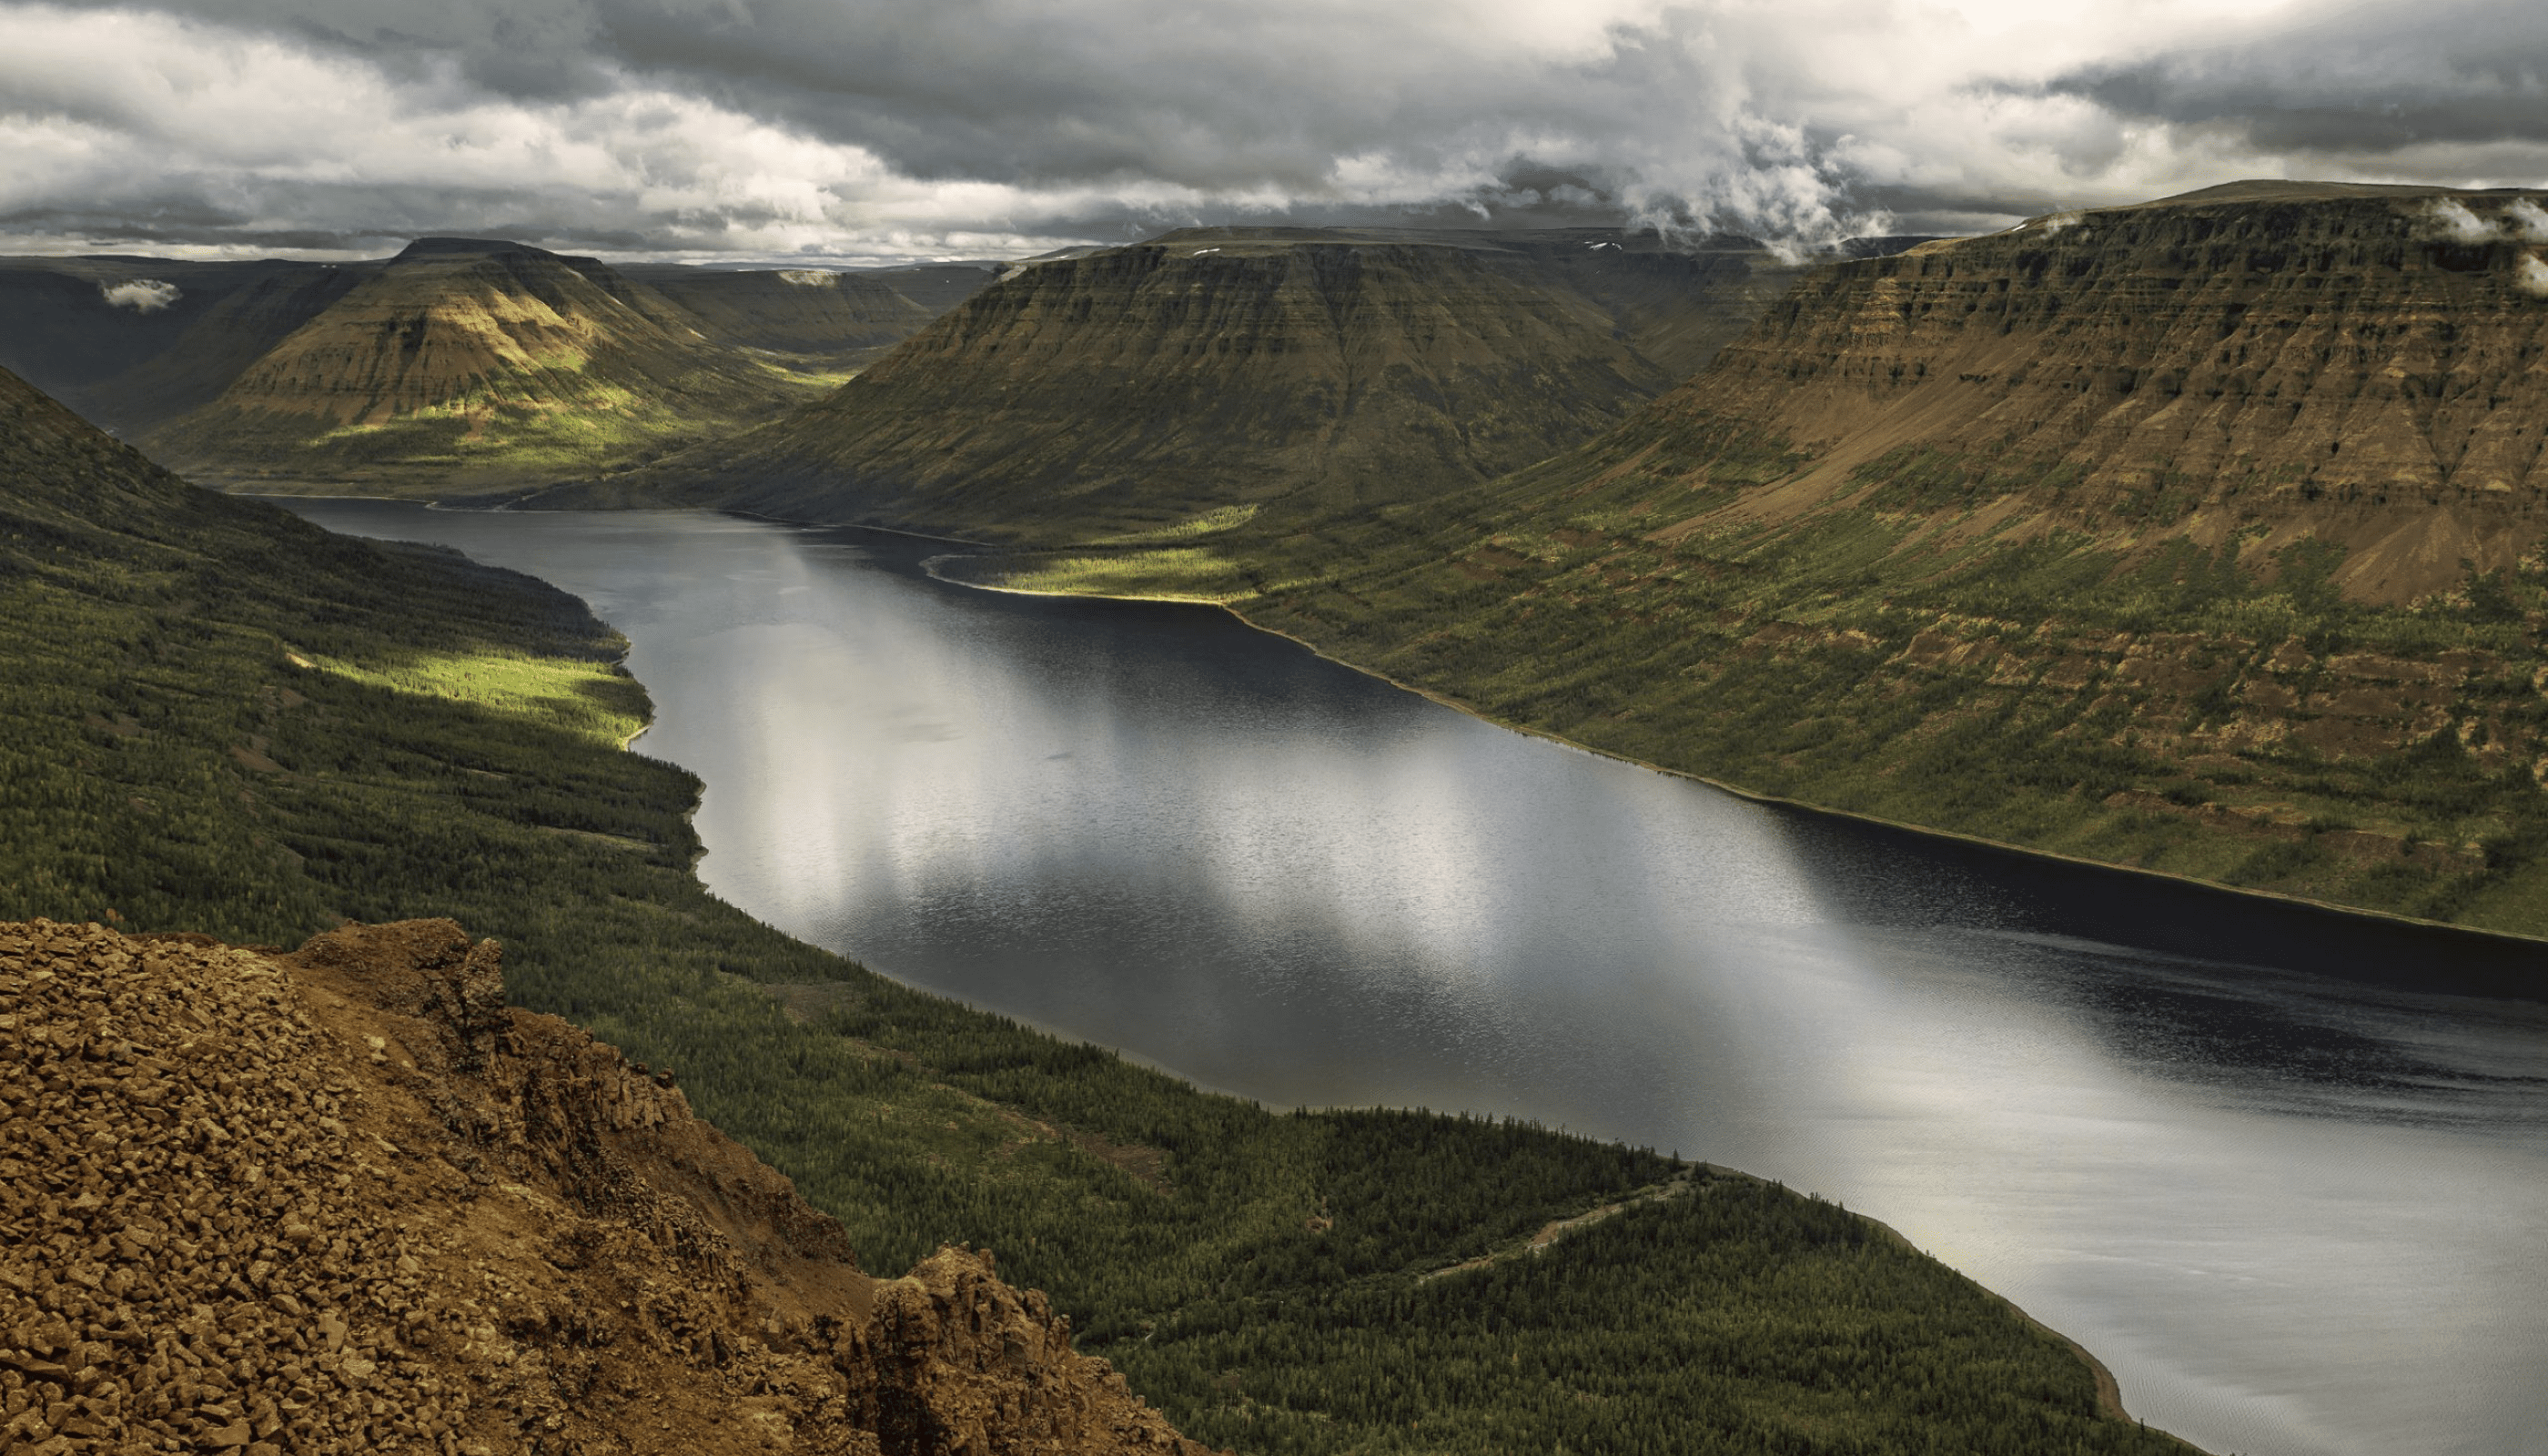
column 1142, row 388
column 348, row 1199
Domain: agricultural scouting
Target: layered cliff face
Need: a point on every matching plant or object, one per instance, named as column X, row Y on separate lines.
column 2265, row 362
column 1141, row 388
column 348, row 1199
column 2203, row 536
column 464, row 360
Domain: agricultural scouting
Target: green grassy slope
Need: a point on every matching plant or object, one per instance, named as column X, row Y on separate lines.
column 214, row 716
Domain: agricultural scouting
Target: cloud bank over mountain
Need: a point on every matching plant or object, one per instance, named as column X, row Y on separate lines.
column 879, row 128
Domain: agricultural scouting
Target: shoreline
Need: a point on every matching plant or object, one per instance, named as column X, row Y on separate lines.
column 2510, row 938
column 2106, row 1391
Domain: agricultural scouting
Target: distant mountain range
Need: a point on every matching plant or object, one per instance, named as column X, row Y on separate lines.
column 458, row 361
column 1138, row 388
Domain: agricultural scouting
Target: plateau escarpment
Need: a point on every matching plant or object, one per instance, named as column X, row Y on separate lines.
column 1146, row 387
column 2236, row 372
column 472, row 362
column 349, row 1200
column 2203, row 535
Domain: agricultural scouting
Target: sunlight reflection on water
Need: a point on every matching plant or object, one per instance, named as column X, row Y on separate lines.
column 2295, row 1203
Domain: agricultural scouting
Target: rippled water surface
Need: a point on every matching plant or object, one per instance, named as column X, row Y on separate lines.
column 2286, row 1173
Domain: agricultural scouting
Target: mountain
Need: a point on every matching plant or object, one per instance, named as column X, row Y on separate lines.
column 132, row 341
column 1143, row 388
column 2203, row 535
column 368, row 1206
column 465, row 361
column 2347, row 365
column 825, row 315
column 234, row 333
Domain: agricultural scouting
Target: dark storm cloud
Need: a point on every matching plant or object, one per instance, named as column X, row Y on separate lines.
column 2360, row 82
column 984, row 126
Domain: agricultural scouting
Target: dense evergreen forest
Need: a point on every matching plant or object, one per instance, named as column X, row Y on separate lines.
column 216, row 717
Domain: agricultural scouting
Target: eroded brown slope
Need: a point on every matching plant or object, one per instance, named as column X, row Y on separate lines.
column 1142, row 387
column 817, row 311
column 2362, row 366
column 347, row 1201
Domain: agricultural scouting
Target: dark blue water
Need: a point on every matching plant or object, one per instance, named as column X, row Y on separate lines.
column 2285, row 1172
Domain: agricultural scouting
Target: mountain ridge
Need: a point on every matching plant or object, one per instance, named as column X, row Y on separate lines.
column 1214, row 369
column 134, row 343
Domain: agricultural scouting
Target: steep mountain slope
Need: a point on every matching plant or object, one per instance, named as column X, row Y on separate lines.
column 2203, row 535
column 463, row 361
column 362, row 1205
column 214, row 716
column 1142, row 388
column 1675, row 302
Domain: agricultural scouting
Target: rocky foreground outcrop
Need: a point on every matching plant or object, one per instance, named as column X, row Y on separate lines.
column 348, row 1199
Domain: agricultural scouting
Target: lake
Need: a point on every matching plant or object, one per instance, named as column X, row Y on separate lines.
column 2285, row 1171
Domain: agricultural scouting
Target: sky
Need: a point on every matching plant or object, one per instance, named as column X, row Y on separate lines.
column 872, row 131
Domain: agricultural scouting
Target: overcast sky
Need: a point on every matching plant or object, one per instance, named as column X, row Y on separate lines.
column 869, row 129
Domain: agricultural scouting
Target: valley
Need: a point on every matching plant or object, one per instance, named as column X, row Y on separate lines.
column 219, row 719
column 2126, row 1103
column 2195, row 537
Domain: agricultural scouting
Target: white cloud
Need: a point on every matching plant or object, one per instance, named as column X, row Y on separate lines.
column 140, row 295
column 2456, row 223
